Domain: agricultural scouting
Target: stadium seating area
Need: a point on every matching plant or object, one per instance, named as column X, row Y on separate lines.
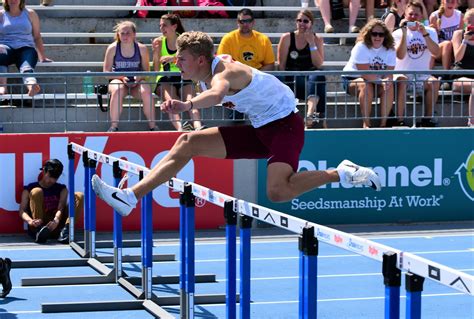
column 76, row 41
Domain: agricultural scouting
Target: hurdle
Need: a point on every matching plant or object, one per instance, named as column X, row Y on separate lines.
column 393, row 260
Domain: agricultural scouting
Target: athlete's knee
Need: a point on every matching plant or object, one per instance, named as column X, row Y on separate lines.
column 183, row 146
column 278, row 194
column 79, row 199
column 36, row 193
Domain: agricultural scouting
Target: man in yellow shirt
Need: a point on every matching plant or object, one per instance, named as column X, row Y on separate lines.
column 247, row 45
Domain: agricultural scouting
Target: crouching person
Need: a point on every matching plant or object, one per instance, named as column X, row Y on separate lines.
column 44, row 205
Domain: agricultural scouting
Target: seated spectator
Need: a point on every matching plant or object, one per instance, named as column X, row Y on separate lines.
column 44, row 205
column 445, row 21
column 394, row 14
column 125, row 54
column 248, row 46
column 303, row 50
column 416, row 45
column 374, row 50
column 20, row 43
column 354, row 6
column 164, row 56
column 5, row 266
column 463, row 44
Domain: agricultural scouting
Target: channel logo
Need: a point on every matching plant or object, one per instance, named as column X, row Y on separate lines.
column 465, row 173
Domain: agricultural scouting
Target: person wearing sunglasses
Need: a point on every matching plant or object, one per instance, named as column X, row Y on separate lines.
column 374, row 50
column 416, row 45
column 303, row 50
column 248, row 46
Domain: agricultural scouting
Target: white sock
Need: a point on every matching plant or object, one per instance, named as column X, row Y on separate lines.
column 131, row 198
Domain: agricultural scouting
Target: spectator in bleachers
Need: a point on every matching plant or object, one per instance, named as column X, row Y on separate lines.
column 445, row 21
column 354, row 6
column 125, row 54
column 303, row 50
column 374, row 50
column 416, row 45
column 20, row 43
column 171, row 87
column 394, row 14
column 247, row 45
column 463, row 44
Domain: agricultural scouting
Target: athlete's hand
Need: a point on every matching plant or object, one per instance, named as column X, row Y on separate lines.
column 174, row 106
column 36, row 222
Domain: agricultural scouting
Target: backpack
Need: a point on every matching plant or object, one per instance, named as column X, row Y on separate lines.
column 212, row 14
column 148, row 3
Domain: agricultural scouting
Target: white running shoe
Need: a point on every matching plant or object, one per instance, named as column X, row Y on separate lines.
column 113, row 196
column 356, row 175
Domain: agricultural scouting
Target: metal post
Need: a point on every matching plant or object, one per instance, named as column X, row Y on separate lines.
column 414, row 287
column 87, row 195
column 308, row 246
column 92, row 210
column 187, row 199
column 182, row 256
column 71, row 188
column 245, row 253
column 231, row 262
column 118, row 243
column 392, row 281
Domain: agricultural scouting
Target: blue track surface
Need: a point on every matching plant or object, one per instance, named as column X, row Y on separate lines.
column 349, row 286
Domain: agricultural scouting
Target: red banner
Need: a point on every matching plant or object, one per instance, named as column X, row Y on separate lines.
column 21, row 156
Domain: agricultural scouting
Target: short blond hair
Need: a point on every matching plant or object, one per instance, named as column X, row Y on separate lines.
column 197, row 43
column 469, row 13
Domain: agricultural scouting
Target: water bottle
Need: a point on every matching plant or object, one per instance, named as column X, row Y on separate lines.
column 88, row 84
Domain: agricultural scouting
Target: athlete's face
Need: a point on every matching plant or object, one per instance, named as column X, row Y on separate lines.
column 126, row 34
column 166, row 27
column 48, row 181
column 245, row 23
column 188, row 64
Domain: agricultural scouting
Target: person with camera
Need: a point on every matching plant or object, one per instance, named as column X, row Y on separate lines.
column 44, row 205
column 415, row 45
column 125, row 54
column 463, row 45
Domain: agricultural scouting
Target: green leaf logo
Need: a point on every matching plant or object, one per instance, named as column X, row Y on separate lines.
column 465, row 173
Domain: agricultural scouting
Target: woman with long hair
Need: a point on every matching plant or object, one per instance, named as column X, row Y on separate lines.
column 463, row 44
column 374, row 50
column 125, row 54
column 164, row 57
column 394, row 15
column 20, row 43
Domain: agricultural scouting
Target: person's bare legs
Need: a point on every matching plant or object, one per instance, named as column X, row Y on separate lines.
column 401, row 82
column 365, row 92
column 118, row 90
column 325, row 9
column 283, row 184
column 143, row 91
column 466, row 86
column 386, row 102
column 207, row 143
column 354, row 6
column 194, row 114
column 369, row 9
column 431, row 95
column 33, row 88
column 168, row 92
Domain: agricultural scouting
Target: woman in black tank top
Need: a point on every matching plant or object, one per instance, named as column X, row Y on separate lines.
column 394, row 15
column 463, row 47
column 303, row 50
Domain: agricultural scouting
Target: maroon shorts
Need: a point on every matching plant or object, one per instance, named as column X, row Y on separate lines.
column 279, row 141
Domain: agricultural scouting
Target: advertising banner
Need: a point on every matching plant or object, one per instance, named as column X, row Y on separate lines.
column 22, row 155
column 427, row 175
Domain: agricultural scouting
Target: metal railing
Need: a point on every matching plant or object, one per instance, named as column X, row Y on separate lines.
column 62, row 104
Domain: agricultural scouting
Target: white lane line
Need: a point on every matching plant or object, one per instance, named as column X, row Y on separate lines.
column 329, row 300
column 64, row 286
column 22, row 312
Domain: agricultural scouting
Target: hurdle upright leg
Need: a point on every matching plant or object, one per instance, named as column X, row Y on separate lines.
column 308, row 246
column 118, row 242
column 392, row 281
column 231, row 262
column 71, row 187
column 92, row 210
column 245, row 274
column 414, row 287
column 187, row 282
column 87, row 196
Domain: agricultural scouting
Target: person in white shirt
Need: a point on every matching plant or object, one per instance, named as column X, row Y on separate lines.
column 415, row 46
column 374, row 50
